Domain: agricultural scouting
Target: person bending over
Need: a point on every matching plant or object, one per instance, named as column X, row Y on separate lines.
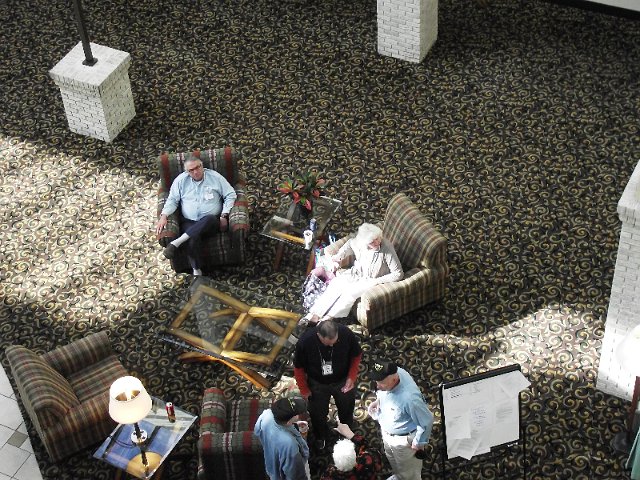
column 353, row 458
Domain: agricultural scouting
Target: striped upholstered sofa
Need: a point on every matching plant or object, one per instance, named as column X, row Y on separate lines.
column 225, row 248
column 66, row 392
column 227, row 447
column 422, row 250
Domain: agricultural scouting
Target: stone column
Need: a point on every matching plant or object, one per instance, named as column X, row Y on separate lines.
column 624, row 303
column 407, row 29
column 97, row 100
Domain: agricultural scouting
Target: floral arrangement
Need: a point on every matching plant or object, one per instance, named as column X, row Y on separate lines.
column 303, row 188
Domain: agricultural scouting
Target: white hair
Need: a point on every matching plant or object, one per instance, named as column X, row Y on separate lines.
column 367, row 233
column 344, row 455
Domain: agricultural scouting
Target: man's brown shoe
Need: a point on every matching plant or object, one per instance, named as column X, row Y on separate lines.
column 170, row 251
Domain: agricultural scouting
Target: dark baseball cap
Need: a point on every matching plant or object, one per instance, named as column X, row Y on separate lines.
column 381, row 369
column 285, row 409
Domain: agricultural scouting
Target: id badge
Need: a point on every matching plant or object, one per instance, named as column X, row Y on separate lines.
column 327, row 368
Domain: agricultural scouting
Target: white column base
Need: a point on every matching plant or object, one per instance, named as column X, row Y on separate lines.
column 407, row 29
column 97, row 100
column 624, row 303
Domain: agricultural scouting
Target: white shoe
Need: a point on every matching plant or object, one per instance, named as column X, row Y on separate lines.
column 392, row 477
column 197, row 272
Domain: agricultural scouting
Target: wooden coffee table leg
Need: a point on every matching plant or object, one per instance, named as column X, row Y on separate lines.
column 278, row 257
column 312, row 258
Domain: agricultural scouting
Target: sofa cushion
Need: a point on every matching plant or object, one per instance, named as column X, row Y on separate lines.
column 95, row 379
column 49, row 394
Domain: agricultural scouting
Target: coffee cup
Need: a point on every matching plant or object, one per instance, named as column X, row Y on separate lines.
column 308, row 239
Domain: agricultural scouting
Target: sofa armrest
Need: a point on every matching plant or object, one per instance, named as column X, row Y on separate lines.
column 333, row 248
column 84, row 416
column 239, row 215
column 45, row 393
column 172, row 230
column 75, row 356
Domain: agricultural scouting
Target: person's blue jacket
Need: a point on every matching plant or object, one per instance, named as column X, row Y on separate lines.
column 285, row 451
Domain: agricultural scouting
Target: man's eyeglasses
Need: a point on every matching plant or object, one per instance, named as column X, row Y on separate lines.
column 194, row 169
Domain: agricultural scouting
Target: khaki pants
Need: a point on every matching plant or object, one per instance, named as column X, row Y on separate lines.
column 401, row 456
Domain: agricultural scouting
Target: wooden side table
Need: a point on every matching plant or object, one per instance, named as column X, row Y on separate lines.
column 287, row 227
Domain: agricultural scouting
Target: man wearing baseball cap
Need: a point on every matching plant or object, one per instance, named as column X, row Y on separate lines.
column 404, row 417
column 286, row 454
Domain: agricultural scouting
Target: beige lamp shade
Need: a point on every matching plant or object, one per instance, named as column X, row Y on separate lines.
column 628, row 352
column 129, row 402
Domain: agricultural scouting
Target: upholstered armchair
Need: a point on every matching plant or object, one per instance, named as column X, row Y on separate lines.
column 66, row 392
column 227, row 447
column 224, row 248
column 422, row 250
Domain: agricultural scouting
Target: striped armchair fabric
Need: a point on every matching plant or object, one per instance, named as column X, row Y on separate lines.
column 227, row 447
column 225, row 248
column 422, row 250
column 66, row 392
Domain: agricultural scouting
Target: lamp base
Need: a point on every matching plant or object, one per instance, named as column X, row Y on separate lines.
column 136, row 468
column 620, row 443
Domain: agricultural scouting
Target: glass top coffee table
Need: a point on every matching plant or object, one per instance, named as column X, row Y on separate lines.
column 162, row 436
column 251, row 333
column 287, row 225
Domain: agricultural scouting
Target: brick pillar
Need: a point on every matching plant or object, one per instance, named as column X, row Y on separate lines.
column 97, row 100
column 624, row 302
column 407, row 29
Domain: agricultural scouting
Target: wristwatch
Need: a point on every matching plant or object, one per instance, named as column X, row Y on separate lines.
column 225, row 216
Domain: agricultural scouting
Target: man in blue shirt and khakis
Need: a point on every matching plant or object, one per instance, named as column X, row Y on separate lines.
column 404, row 418
column 205, row 199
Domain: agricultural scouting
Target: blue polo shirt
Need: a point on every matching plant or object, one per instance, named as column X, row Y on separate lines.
column 404, row 410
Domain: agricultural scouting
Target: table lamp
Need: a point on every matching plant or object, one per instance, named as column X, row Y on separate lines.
column 628, row 354
column 129, row 403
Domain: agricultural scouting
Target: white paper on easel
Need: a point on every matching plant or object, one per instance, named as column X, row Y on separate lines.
column 513, row 383
column 465, row 448
column 459, row 426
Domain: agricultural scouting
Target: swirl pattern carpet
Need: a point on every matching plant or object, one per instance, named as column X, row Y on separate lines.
column 516, row 136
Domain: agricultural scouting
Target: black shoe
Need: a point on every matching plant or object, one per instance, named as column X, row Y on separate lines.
column 170, row 251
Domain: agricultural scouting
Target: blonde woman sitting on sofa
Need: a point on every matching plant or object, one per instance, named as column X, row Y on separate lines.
column 375, row 262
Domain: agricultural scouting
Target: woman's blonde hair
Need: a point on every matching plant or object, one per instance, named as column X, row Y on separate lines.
column 367, row 233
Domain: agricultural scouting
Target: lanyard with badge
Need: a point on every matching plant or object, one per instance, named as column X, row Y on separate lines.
column 326, row 365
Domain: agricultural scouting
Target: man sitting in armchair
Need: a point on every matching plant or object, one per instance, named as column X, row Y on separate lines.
column 205, row 198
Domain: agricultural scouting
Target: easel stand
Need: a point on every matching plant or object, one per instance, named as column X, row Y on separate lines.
column 471, row 401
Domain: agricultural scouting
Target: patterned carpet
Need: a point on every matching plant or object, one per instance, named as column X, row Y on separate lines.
column 515, row 136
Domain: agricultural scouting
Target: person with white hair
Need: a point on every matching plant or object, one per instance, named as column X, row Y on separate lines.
column 353, row 459
column 375, row 262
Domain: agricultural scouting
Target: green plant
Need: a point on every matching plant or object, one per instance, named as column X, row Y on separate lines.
column 303, row 188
